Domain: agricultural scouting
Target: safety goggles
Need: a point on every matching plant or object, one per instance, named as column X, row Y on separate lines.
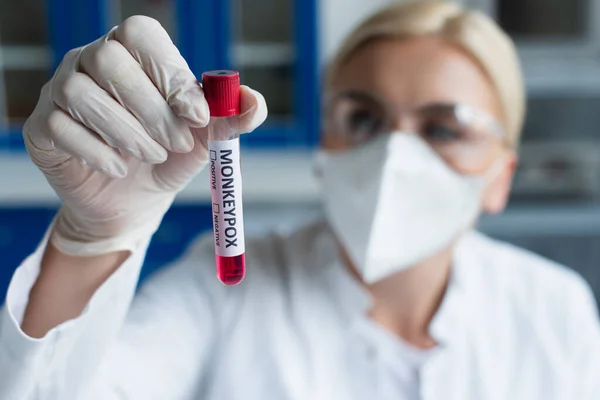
column 464, row 137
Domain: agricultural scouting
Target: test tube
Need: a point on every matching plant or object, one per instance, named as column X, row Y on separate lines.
column 222, row 92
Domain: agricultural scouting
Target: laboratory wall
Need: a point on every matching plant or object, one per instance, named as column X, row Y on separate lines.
column 281, row 48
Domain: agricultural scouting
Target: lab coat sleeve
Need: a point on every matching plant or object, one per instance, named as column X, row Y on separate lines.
column 114, row 349
column 586, row 343
column 170, row 335
column 59, row 364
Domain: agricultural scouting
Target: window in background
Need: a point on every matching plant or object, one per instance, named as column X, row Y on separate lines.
column 25, row 59
column 263, row 51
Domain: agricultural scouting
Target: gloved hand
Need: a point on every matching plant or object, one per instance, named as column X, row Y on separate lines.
column 119, row 131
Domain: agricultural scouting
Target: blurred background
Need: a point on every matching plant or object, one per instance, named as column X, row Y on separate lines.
column 280, row 48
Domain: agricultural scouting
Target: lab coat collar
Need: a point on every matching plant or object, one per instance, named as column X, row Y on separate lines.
column 453, row 315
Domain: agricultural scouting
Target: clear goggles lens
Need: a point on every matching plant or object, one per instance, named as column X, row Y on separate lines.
column 457, row 132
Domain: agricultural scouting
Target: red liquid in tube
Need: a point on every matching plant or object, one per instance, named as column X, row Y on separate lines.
column 222, row 92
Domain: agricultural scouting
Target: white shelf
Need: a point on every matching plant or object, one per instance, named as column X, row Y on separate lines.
column 262, row 54
column 268, row 177
column 25, row 57
column 539, row 221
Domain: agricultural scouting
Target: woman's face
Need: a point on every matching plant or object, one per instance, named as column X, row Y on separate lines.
column 426, row 86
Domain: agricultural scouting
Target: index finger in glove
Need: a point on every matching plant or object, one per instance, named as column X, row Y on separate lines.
column 253, row 110
column 148, row 42
column 180, row 168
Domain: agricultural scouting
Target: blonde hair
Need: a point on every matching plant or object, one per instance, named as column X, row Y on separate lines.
column 472, row 31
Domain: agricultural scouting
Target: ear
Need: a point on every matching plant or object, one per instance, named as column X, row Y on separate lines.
column 497, row 193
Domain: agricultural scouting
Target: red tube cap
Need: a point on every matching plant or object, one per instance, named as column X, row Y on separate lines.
column 222, row 92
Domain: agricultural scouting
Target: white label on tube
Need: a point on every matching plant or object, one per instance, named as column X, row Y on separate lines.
column 226, row 191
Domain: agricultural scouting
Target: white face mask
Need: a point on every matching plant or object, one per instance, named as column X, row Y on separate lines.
column 394, row 202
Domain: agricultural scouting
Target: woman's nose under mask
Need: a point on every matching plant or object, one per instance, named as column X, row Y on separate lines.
column 394, row 202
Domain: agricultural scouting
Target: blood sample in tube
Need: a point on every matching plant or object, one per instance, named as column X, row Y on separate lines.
column 222, row 92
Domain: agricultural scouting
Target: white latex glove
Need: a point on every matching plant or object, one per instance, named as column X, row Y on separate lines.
column 118, row 132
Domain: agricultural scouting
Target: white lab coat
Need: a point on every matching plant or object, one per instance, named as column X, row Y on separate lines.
column 512, row 326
